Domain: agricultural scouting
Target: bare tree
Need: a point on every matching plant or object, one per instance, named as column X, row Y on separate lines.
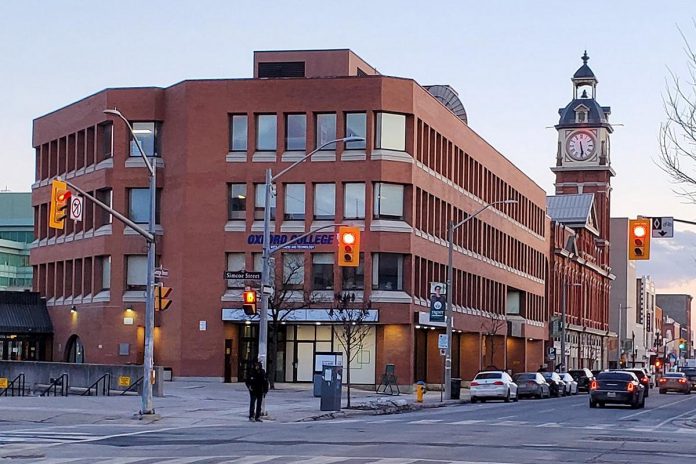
column 490, row 327
column 351, row 328
column 678, row 133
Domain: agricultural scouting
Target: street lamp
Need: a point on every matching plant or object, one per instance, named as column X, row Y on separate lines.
column 451, row 226
column 148, row 359
column 265, row 274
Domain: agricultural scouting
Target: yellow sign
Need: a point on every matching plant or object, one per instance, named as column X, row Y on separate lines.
column 124, row 381
column 3, row 382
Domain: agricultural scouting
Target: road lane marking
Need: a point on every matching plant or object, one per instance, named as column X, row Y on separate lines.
column 425, row 421
column 467, row 422
column 653, row 409
column 549, row 424
column 674, row 418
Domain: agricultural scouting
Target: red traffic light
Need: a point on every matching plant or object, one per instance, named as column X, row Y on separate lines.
column 64, row 196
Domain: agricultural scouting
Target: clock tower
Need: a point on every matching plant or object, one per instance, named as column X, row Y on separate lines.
column 583, row 160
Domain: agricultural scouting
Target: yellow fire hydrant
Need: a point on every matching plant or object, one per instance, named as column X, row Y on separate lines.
column 420, row 391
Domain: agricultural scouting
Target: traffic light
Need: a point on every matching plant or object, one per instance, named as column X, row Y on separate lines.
column 639, row 231
column 658, row 363
column 161, row 301
column 348, row 246
column 682, row 344
column 60, row 202
column 249, row 302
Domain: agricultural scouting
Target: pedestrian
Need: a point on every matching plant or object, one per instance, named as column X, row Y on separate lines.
column 257, row 383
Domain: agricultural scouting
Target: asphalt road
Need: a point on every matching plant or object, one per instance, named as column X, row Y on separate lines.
column 559, row 430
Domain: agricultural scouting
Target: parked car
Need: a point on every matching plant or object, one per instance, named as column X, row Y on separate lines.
column 571, row 386
column 556, row 385
column 619, row 387
column 642, row 377
column 532, row 384
column 690, row 373
column 493, row 385
column 583, row 377
column 674, row 381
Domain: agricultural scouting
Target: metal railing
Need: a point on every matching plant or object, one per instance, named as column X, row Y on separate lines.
column 61, row 382
column 104, row 381
column 17, row 384
column 132, row 386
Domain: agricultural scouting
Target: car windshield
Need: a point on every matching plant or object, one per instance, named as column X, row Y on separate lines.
column 525, row 377
column 489, row 375
column 625, row 376
column 675, row 375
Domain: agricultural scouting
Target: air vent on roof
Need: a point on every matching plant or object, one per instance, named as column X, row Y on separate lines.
column 282, row 69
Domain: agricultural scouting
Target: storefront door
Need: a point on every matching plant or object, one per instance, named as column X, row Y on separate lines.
column 304, row 371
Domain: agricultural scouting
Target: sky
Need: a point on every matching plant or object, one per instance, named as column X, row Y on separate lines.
column 510, row 61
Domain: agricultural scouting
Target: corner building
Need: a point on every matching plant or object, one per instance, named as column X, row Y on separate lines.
column 420, row 165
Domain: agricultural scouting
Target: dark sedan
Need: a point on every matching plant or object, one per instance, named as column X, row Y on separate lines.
column 642, row 378
column 617, row 387
column 556, row 385
column 583, row 377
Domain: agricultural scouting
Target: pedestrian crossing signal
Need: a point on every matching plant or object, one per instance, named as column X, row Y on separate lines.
column 161, row 300
column 249, row 305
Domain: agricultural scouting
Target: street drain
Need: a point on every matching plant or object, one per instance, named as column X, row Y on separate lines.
column 632, row 439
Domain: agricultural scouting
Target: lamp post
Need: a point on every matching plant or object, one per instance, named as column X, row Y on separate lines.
column 451, row 227
column 148, row 358
column 266, row 285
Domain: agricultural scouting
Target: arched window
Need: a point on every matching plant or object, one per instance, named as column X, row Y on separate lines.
column 74, row 350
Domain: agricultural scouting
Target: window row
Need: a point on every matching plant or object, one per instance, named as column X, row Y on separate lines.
column 444, row 157
column 73, row 278
column 476, row 235
column 390, row 131
column 388, row 201
column 318, row 272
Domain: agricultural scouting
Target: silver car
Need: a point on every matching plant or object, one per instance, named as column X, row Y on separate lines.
column 532, row 384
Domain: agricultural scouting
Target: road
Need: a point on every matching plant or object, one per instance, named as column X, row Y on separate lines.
column 531, row 431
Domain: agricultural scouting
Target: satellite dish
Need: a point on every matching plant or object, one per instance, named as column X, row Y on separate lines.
column 448, row 97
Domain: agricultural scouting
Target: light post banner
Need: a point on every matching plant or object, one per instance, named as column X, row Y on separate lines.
column 437, row 304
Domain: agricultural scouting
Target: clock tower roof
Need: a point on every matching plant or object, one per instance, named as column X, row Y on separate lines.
column 584, row 72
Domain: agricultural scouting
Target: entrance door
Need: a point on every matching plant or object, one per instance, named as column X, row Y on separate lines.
column 305, row 362
column 248, row 350
column 228, row 360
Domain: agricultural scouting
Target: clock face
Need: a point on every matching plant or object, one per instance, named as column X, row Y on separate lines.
column 581, row 146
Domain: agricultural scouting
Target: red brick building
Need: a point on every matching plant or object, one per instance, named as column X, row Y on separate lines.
column 213, row 139
column 580, row 227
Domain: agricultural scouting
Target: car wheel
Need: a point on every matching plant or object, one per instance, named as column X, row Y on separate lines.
column 507, row 398
column 539, row 396
column 688, row 392
column 635, row 404
column 593, row 404
column 517, row 398
column 601, row 405
column 642, row 403
column 474, row 399
column 662, row 392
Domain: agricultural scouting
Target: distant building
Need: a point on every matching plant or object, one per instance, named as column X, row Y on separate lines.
column 16, row 235
column 678, row 307
column 26, row 332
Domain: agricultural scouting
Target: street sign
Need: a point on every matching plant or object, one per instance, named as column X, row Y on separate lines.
column 246, row 275
column 124, row 381
column 662, row 227
column 161, row 272
column 3, row 382
column 76, row 207
column 551, row 353
column 442, row 341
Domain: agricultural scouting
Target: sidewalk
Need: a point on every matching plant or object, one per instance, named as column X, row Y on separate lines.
column 205, row 403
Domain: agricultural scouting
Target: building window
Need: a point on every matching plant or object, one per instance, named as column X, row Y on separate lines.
column 389, row 201
column 387, row 271
column 266, row 132
column 294, row 202
column 326, row 130
column 354, row 201
column 139, row 205
column 148, row 134
column 107, row 146
column 136, row 272
column 237, row 202
column 322, row 271
column 356, row 126
column 105, row 264
column 103, row 217
column 354, row 277
column 324, row 201
column 259, row 202
column 235, row 262
column 391, row 131
column 293, row 271
column 238, row 132
column 296, row 132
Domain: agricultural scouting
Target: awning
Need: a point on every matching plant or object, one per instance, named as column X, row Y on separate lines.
column 24, row 313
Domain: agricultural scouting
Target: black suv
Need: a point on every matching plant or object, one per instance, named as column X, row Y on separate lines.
column 642, row 378
column 583, row 377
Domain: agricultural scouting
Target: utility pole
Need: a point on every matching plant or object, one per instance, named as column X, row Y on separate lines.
column 564, row 284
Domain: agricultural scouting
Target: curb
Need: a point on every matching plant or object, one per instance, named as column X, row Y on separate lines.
column 365, row 410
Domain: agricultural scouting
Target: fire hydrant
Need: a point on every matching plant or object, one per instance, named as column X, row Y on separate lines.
column 420, row 391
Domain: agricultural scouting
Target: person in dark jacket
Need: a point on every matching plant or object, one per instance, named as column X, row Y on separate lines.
column 257, row 383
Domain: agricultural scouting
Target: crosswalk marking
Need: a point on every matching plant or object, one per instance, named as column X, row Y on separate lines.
column 468, row 422
column 425, row 421
column 255, row 460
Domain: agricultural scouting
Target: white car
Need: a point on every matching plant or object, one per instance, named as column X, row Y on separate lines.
column 571, row 385
column 493, row 385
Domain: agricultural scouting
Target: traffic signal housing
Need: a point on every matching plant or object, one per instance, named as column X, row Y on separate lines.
column 249, row 304
column 658, row 363
column 682, row 344
column 162, row 302
column 60, row 202
column 349, row 246
column 639, row 231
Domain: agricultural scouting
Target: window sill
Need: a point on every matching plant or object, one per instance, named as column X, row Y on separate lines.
column 138, row 162
column 264, row 157
column 103, row 230
column 236, row 157
column 391, row 155
column 127, row 230
column 292, row 156
column 107, row 163
column 384, row 225
column 354, row 155
column 235, row 226
column 324, row 156
column 257, row 226
column 317, row 224
column 390, row 296
column 232, row 295
column 104, row 295
column 134, row 296
column 292, row 226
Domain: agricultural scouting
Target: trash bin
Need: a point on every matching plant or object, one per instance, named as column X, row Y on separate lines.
column 317, row 385
column 331, row 385
column 456, row 388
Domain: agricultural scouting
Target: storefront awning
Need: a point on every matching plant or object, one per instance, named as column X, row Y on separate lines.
column 23, row 313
